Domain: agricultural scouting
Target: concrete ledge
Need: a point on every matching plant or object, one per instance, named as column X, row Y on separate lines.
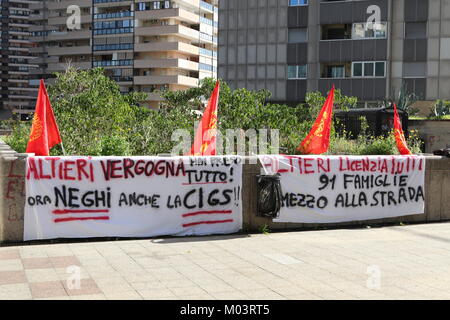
column 12, row 187
column 435, row 133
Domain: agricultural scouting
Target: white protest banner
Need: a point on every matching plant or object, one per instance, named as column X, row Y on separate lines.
column 331, row 189
column 79, row 197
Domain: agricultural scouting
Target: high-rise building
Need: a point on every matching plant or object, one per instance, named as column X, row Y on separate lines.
column 367, row 48
column 144, row 45
column 16, row 58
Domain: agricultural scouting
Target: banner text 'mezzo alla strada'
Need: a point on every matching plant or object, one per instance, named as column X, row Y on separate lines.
column 315, row 165
column 332, row 189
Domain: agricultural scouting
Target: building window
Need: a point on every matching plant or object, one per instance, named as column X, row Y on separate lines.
column 154, row 5
column 297, row 35
column 297, row 72
column 336, row 31
column 414, row 69
column 335, row 71
column 415, row 30
column 367, row 31
column 369, row 69
column 298, row 2
column 357, row 69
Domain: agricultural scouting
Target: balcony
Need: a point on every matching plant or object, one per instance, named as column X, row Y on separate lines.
column 17, row 81
column 62, row 51
column 112, row 31
column 19, row 50
column 171, row 79
column 109, row 1
column 206, row 67
column 209, row 22
column 21, row 24
column 113, row 47
column 113, row 63
column 34, row 28
column 45, row 60
column 70, row 35
column 63, row 66
column 167, row 46
column 355, row 31
column 207, row 6
column 26, row 89
column 38, row 38
column 204, row 37
column 64, row 4
column 39, row 71
column 13, row 103
column 36, row 5
column 21, row 96
column 39, row 49
column 114, row 15
column 176, row 13
column 178, row 30
column 56, row 21
column 364, row 89
column 13, row 40
column 124, row 80
column 166, row 63
column 350, row 11
column 361, row 50
column 36, row 17
column 208, row 53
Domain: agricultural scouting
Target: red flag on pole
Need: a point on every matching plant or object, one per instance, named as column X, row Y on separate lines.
column 318, row 140
column 205, row 137
column 399, row 136
column 44, row 133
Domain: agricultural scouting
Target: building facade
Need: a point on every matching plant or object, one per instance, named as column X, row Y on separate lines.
column 148, row 46
column 367, row 48
column 16, row 58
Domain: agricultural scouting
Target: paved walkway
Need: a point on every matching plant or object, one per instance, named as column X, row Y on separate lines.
column 410, row 262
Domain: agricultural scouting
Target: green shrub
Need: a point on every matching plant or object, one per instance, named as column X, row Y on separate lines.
column 340, row 145
column 95, row 118
column 18, row 139
column 380, row 146
column 115, row 146
column 415, row 143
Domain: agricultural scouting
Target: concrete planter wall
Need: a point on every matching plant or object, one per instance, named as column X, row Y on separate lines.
column 12, row 189
column 435, row 133
column 12, row 201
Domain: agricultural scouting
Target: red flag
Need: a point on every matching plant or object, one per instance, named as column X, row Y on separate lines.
column 44, row 133
column 318, row 140
column 399, row 136
column 205, row 137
